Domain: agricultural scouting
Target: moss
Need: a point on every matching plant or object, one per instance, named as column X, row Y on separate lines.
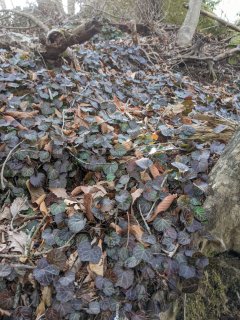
column 209, row 302
column 217, row 297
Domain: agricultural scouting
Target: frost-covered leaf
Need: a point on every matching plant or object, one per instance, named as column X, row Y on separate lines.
column 56, row 208
column 124, row 200
column 131, row 262
column 183, row 238
column 93, row 307
column 5, row 270
column 141, row 253
column 161, row 224
column 88, row 253
column 144, row 163
column 45, row 273
column 124, row 278
column 186, row 271
column 77, row 222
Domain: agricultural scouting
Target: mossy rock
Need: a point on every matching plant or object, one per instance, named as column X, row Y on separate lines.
column 218, row 295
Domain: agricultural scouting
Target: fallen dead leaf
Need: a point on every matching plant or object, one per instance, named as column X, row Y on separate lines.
column 18, row 241
column 59, row 192
column 163, row 206
column 36, row 193
column 88, row 206
column 154, row 171
column 18, row 205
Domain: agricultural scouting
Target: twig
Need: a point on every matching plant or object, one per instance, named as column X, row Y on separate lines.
column 32, row 236
column 67, row 244
column 184, row 306
column 5, row 162
column 128, row 230
column 17, row 294
column 10, row 256
column 150, row 211
column 145, row 222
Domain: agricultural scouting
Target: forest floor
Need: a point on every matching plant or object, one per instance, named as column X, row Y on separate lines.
column 104, row 171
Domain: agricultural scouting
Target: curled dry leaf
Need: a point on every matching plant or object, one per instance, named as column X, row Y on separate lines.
column 21, row 115
column 88, row 206
column 43, row 208
column 163, row 206
column 154, row 171
column 18, row 205
column 98, row 268
column 118, row 229
column 10, row 119
column 46, row 301
column 59, row 192
column 36, row 193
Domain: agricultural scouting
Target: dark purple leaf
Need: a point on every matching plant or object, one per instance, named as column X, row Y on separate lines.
column 88, row 253
column 183, row 238
column 45, row 273
column 124, row 278
column 5, row 270
column 77, row 222
column 38, row 179
column 93, row 308
column 186, row 271
column 141, row 253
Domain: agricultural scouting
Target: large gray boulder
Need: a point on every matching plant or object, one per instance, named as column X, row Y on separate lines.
column 223, row 202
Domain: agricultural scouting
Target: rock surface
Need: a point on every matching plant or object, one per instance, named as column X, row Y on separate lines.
column 223, row 202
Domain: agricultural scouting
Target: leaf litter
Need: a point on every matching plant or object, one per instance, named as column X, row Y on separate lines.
column 102, row 197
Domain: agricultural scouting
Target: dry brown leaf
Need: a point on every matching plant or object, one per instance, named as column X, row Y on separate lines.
column 46, row 301
column 36, row 193
column 137, row 231
column 18, row 241
column 118, row 229
column 163, row 206
column 106, row 128
column 40, row 199
column 98, row 268
column 21, row 115
column 5, row 213
column 18, row 205
column 154, row 171
column 43, row 208
column 128, row 145
column 48, row 147
column 76, row 191
column 10, row 119
column 145, row 176
column 88, row 206
column 59, row 192
column 136, row 194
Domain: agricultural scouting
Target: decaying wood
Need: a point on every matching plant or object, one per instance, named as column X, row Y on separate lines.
column 58, row 40
column 220, row 20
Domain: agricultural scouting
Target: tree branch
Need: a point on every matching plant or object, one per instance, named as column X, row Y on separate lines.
column 220, row 20
column 29, row 16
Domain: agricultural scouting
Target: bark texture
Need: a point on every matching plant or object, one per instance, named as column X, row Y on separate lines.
column 223, row 202
column 190, row 23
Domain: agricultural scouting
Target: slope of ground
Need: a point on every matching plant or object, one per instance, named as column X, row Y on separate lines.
column 103, row 176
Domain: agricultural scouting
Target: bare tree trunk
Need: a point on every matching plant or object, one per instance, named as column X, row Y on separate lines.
column 190, row 23
column 3, row 4
column 71, row 7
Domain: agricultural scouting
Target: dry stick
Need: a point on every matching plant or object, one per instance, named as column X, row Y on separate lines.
column 5, row 162
column 28, row 247
column 144, row 220
column 22, row 28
